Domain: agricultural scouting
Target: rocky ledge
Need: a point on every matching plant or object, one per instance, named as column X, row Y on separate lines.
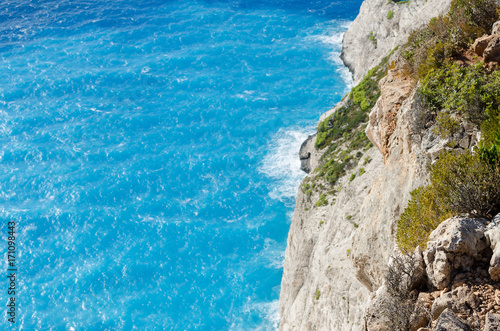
column 454, row 283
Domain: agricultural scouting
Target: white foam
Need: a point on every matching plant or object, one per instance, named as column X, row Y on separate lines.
column 282, row 163
column 272, row 255
column 268, row 311
column 333, row 36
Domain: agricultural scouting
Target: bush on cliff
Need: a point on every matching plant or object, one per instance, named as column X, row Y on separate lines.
column 346, row 127
column 472, row 92
column 421, row 216
column 445, row 36
column 460, row 183
column 467, row 184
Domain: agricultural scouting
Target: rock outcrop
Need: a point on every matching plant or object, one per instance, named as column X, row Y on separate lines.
column 456, row 261
column 338, row 250
column 493, row 239
column 395, row 89
column 488, row 46
column 341, row 250
column 449, row 321
column 374, row 32
column 319, row 288
column 454, row 244
column 492, row 322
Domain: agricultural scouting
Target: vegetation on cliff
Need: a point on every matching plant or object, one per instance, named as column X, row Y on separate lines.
column 343, row 133
column 455, row 89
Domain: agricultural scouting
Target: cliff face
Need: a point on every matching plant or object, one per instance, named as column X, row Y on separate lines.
column 376, row 31
column 337, row 254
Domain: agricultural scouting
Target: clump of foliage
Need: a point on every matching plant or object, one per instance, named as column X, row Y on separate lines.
column 468, row 184
column 362, row 171
column 334, row 168
column 347, row 126
column 318, row 294
column 470, row 91
column 373, row 39
column 322, row 200
column 490, row 153
column 460, row 184
column 422, row 215
column 390, row 14
column 447, row 124
column 355, row 110
column 432, row 46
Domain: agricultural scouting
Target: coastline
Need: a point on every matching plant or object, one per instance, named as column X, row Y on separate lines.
column 337, row 251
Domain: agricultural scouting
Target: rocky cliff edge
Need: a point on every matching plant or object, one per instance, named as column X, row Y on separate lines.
column 339, row 245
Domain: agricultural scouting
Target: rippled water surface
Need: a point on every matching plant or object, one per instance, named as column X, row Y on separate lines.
column 148, row 152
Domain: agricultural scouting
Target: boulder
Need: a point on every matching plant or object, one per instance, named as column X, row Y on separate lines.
column 419, row 318
column 460, row 300
column 480, row 44
column 493, row 239
column 449, row 321
column 376, row 317
column 305, row 153
column 455, row 244
column 495, row 28
column 492, row 322
column 492, row 51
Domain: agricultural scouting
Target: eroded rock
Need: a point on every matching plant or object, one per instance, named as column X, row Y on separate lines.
column 449, row 321
column 493, row 239
column 495, row 28
column 461, row 300
column 492, row 322
column 453, row 245
column 480, row 44
column 394, row 88
column 492, row 51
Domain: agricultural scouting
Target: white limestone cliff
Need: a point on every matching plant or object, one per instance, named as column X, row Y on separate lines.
column 373, row 34
column 337, row 254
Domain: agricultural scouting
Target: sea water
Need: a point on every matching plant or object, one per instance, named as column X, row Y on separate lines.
column 148, row 155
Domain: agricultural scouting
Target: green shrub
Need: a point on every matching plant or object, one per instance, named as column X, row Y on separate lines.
column 471, row 91
column 490, row 153
column 352, row 177
column 361, row 171
column 447, row 35
column 467, row 185
column 461, row 184
column 322, row 200
column 422, row 215
column 318, row 294
column 390, row 14
column 373, row 39
column 447, row 125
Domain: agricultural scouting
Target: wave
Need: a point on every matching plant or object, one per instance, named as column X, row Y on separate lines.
column 282, row 164
column 333, row 36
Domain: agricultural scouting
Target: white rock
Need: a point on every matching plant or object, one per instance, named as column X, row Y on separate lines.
column 493, row 239
column 452, row 245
